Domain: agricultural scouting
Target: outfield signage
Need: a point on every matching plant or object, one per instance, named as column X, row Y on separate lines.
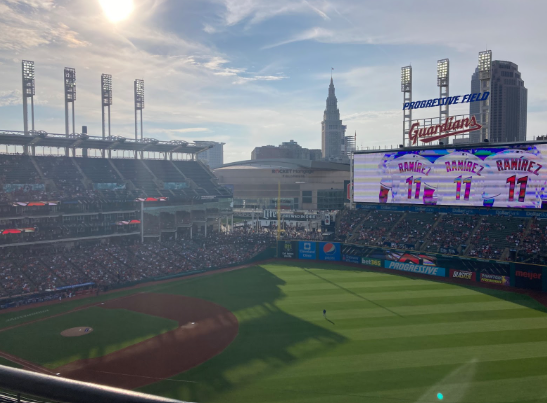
column 351, row 259
column 458, row 99
column 450, row 127
column 329, row 251
column 528, row 277
column 415, row 268
column 272, row 215
column 288, row 249
column 371, row 262
column 306, row 250
column 495, row 279
column 464, row 275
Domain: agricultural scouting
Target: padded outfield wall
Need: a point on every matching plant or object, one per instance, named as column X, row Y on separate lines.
column 508, row 274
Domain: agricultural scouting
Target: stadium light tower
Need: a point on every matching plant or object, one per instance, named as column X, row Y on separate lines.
column 28, row 92
column 443, row 76
column 406, row 89
column 139, row 105
column 70, row 97
column 106, row 100
column 485, row 76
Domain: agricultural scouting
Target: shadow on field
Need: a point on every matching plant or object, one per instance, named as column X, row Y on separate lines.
column 268, row 339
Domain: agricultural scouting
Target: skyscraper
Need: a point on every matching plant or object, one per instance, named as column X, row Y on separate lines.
column 508, row 104
column 333, row 132
column 214, row 156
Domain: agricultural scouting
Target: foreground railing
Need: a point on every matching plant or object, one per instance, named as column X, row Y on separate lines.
column 24, row 384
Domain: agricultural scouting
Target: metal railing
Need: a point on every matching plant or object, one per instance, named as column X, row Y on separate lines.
column 51, row 388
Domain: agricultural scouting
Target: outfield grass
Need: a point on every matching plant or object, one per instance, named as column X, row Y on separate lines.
column 388, row 339
column 392, row 339
column 8, row 363
column 113, row 329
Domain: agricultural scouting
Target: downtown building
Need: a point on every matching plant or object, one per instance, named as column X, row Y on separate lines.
column 212, row 157
column 288, row 149
column 334, row 145
column 508, row 104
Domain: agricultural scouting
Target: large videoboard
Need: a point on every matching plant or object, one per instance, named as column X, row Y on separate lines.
column 493, row 176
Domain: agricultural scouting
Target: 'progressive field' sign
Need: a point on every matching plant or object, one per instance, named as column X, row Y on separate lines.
column 415, row 268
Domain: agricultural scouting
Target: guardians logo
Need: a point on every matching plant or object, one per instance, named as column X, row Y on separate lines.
column 449, row 128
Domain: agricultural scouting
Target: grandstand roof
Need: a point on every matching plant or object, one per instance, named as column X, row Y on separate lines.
column 44, row 139
column 286, row 163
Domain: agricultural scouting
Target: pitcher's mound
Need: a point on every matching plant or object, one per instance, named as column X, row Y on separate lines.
column 76, row 331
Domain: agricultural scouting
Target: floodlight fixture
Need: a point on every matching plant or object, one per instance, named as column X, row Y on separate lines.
column 406, row 89
column 406, row 78
column 70, row 84
column 485, row 61
column 27, row 69
column 139, row 106
column 442, row 72
column 106, row 87
column 139, row 94
column 28, row 78
column 106, row 102
column 485, row 77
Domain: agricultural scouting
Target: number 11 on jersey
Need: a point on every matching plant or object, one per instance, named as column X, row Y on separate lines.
column 467, row 182
column 418, row 182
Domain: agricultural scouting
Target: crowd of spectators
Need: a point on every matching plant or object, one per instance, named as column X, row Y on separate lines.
column 375, row 227
column 120, row 262
column 451, row 233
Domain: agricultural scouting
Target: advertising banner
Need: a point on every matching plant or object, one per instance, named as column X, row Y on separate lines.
column 174, row 185
column 528, row 277
column 14, row 187
column 351, row 259
column 371, row 262
column 329, row 251
column 415, row 268
column 307, row 250
column 495, row 279
column 505, row 176
column 288, row 249
column 464, row 275
column 347, row 191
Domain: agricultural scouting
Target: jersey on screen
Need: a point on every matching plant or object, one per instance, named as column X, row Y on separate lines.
column 407, row 177
column 516, row 178
column 459, row 179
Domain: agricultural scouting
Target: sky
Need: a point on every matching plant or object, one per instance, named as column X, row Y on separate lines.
column 256, row 72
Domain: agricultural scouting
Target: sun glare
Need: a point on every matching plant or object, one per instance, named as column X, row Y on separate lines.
column 117, row 10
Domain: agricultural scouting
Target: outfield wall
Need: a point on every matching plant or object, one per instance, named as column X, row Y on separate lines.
column 508, row 274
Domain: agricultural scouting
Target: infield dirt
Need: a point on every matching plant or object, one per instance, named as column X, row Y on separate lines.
column 163, row 356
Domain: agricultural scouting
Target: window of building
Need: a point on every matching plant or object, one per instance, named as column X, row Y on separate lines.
column 306, row 196
column 331, row 199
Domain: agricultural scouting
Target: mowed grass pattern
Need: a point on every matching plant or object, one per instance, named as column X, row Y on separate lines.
column 388, row 338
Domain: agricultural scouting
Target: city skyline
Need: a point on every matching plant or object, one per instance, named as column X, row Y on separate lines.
column 249, row 73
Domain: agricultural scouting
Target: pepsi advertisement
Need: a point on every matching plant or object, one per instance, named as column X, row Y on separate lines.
column 307, row 250
column 329, row 251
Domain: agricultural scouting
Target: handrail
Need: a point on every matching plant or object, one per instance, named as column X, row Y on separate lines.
column 70, row 391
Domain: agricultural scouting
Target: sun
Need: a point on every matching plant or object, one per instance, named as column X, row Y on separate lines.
column 117, row 10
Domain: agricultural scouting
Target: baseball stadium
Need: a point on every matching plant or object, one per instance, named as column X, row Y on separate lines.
column 410, row 274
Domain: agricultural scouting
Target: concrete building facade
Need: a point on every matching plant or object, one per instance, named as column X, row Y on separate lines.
column 214, row 156
column 333, row 132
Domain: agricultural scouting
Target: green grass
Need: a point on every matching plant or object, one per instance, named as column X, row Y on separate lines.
column 113, row 329
column 8, row 363
column 389, row 339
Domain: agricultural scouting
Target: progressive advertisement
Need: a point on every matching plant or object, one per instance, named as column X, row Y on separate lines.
column 306, row 250
column 496, row 279
column 329, row 251
column 415, row 268
column 513, row 176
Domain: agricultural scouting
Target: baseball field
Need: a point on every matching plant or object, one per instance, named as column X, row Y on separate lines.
column 258, row 334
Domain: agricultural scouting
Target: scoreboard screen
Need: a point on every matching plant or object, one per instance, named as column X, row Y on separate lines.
column 491, row 176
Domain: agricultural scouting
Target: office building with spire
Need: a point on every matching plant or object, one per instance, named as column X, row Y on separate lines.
column 508, row 104
column 333, row 132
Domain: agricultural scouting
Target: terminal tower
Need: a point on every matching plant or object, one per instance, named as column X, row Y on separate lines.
column 333, row 132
